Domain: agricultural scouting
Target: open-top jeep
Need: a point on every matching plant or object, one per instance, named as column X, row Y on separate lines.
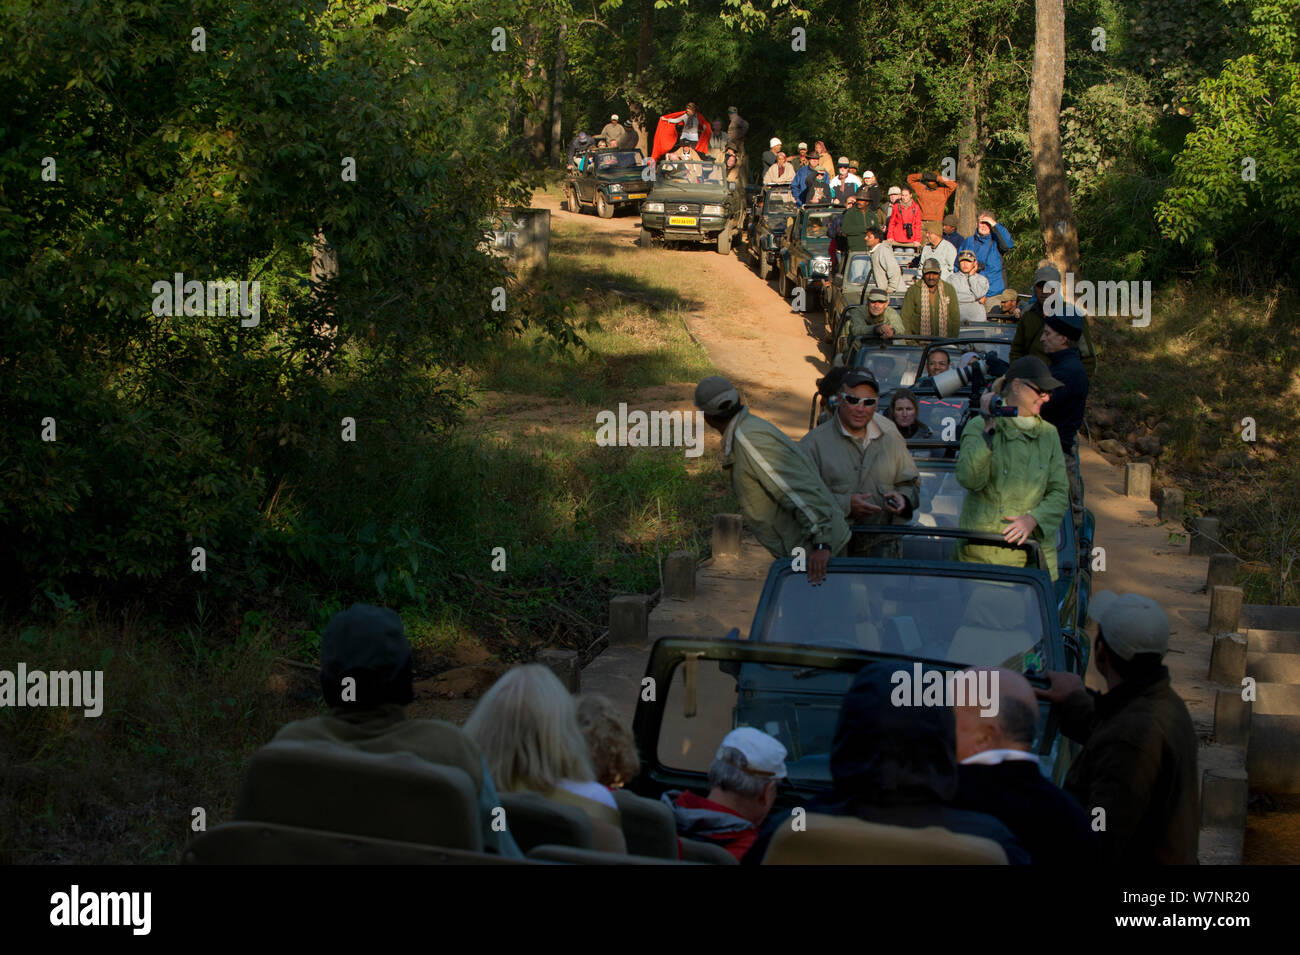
column 692, row 202
column 609, row 180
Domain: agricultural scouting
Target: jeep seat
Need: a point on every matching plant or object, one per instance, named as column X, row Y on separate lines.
column 993, row 627
column 846, row 840
column 396, row 796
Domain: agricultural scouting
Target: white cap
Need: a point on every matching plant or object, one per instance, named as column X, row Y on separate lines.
column 803, row 145
column 868, row 175
column 895, row 191
column 1130, row 623
column 614, row 117
column 773, row 143
column 764, row 756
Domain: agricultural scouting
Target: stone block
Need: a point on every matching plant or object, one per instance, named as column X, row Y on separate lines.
column 727, row 529
column 1228, row 658
column 629, row 620
column 1205, row 537
column 679, row 575
column 1225, row 609
column 1137, row 481
column 564, row 664
column 1170, row 507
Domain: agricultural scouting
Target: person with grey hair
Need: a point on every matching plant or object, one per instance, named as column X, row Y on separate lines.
column 998, row 774
column 743, row 780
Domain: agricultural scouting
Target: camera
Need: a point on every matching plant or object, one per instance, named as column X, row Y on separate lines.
column 974, row 371
column 907, row 227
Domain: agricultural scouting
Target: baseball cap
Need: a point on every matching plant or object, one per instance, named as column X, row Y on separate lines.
column 931, row 265
column 764, row 756
column 1047, row 273
column 844, row 160
column 868, row 174
column 860, row 376
column 894, row 190
column 1130, row 623
column 1009, row 295
column 1032, row 369
column 965, row 254
column 715, row 395
column 802, row 146
column 950, row 219
column 614, row 117
column 773, row 143
column 877, row 294
column 732, row 109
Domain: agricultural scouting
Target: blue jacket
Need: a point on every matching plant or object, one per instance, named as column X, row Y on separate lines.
column 799, row 186
column 988, row 253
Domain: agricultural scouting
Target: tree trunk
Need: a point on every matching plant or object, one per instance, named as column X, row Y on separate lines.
column 645, row 38
column 1055, row 212
column 558, row 152
column 970, row 159
column 535, row 105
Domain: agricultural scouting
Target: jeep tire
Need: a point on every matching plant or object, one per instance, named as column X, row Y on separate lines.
column 603, row 208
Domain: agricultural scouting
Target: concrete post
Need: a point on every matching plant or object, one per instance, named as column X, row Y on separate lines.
column 564, row 664
column 1228, row 658
column 727, row 529
column 1205, row 536
column 1171, row 505
column 1222, row 571
column 1137, row 481
column 1231, row 718
column 1223, row 799
column 1225, row 609
column 679, row 575
column 629, row 620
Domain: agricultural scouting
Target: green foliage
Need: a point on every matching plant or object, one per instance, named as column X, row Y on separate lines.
column 223, row 164
column 1238, row 176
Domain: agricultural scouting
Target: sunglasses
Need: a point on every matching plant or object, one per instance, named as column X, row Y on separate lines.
column 1035, row 389
column 853, row 400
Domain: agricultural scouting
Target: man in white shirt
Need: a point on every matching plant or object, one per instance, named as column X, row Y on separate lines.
column 937, row 247
column 780, row 173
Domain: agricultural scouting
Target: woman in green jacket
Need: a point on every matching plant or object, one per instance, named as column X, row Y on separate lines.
column 1013, row 470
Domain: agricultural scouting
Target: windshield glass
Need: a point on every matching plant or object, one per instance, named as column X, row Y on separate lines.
column 691, row 172
column 780, row 204
column 893, row 367
column 816, row 225
column 945, row 618
column 623, row 159
column 941, row 496
column 859, row 269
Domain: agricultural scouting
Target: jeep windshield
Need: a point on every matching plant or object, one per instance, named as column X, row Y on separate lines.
column 779, row 206
column 690, row 172
column 624, row 159
column 816, row 225
column 896, row 610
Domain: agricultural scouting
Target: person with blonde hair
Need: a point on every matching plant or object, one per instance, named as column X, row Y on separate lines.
column 609, row 742
column 527, row 727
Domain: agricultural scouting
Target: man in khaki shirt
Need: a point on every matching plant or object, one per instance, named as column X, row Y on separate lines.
column 865, row 463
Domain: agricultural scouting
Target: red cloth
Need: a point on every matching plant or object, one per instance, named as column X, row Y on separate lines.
column 902, row 215
column 736, row 843
column 667, row 134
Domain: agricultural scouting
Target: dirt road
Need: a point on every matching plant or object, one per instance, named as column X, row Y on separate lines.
column 750, row 334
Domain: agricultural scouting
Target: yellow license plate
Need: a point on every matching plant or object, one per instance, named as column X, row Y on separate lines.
column 637, row 195
column 681, row 220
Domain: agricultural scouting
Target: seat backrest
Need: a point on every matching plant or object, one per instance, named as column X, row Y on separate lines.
column 265, row 843
column 846, row 840
column 648, row 826
column 695, row 851
column 993, row 628
column 326, row 786
column 534, row 820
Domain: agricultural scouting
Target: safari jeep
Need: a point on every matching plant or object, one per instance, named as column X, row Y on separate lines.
column 692, row 202
column 610, row 179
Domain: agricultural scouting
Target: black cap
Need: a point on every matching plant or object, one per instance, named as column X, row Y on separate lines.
column 860, row 376
column 1032, row 369
column 366, row 643
column 1066, row 320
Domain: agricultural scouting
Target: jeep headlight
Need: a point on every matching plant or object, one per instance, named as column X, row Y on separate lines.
column 711, row 210
column 821, row 266
column 615, row 187
column 653, row 207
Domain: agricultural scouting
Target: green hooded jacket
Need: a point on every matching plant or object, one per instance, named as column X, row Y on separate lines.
column 1022, row 473
column 782, row 498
